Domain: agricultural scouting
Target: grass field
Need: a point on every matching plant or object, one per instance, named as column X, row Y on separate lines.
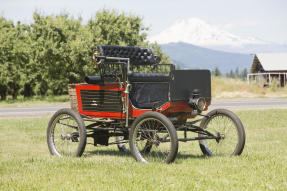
column 234, row 88
column 36, row 100
column 25, row 163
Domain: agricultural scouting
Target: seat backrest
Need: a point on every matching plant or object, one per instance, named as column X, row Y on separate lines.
column 137, row 55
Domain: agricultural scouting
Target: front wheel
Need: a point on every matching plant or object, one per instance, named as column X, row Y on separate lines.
column 66, row 134
column 227, row 127
column 121, row 146
column 153, row 138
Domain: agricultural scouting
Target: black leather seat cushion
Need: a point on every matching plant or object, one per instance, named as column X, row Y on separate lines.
column 137, row 55
column 93, row 79
column 149, row 77
column 135, row 77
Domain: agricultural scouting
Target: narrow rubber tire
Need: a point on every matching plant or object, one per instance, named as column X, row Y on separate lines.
column 237, row 123
column 121, row 146
column 81, row 128
column 171, row 130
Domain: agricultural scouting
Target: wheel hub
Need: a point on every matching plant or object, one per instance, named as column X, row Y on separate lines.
column 219, row 136
column 155, row 140
column 66, row 136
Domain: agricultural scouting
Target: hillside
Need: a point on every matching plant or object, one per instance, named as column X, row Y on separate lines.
column 188, row 56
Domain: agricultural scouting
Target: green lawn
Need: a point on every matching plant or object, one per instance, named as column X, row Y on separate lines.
column 36, row 100
column 25, row 163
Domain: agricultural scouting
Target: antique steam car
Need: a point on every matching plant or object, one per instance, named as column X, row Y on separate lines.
column 145, row 103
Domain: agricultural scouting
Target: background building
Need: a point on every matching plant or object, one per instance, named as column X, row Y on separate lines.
column 269, row 67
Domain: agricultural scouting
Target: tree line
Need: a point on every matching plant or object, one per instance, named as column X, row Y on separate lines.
column 43, row 57
column 231, row 74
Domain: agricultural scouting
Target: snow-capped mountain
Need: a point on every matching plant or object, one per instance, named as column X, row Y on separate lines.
column 198, row 32
column 193, row 43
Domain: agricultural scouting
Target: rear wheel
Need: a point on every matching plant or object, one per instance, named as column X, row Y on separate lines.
column 66, row 134
column 153, row 138
column 228, row 129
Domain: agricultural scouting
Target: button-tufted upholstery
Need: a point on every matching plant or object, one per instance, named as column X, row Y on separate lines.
column 137, row 55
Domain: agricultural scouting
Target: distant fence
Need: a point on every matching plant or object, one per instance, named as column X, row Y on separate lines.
column 267, row 78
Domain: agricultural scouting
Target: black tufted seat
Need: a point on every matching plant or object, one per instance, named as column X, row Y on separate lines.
column 137, row 55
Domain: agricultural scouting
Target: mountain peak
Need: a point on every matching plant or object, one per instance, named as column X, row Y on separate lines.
column 198, row 32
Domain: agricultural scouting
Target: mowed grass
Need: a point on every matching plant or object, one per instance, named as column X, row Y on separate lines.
column 25, row 162
column 35, row 100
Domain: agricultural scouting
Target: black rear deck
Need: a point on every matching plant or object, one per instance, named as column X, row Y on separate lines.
column 184, row 82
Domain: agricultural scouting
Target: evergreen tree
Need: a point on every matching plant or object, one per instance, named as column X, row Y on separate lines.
column 217, row 72
column 243, row 74
column 236, row 74
column 230, row 74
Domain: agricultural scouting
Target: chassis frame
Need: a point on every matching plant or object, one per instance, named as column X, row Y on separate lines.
column 114, row 129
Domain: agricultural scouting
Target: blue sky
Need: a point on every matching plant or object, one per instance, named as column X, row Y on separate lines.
column 264, row 19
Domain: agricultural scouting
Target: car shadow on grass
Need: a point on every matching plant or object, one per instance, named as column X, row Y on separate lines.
column 128, row 154
column 188, row 156
column 107, row 153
